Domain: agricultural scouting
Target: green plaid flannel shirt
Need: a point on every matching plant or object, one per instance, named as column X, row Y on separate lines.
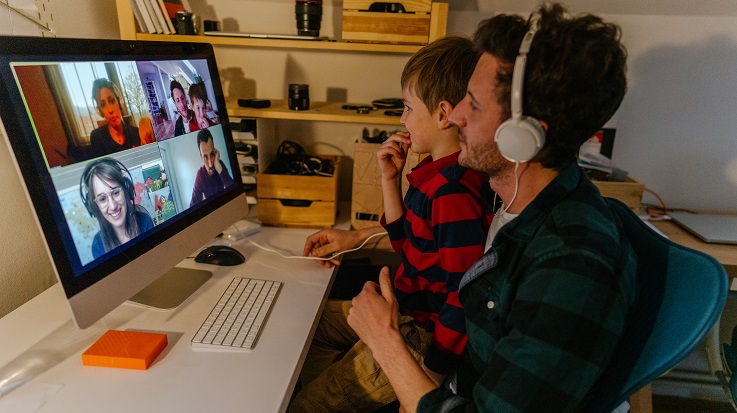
column 545, row 306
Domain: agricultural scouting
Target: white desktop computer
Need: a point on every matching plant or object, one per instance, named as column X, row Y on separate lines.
column 127, row 158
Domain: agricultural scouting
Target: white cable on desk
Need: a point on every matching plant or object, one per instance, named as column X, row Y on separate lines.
column 319, row 258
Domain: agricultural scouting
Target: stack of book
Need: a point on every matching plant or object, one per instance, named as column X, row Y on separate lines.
column 157, row 16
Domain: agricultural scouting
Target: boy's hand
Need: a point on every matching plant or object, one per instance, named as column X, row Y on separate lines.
column 392, row 155
column 329, row 241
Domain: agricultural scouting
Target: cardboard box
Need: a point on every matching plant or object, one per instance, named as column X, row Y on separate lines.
column 297, row 200
column 630, row 191
column 367, row 200
column 423, row 22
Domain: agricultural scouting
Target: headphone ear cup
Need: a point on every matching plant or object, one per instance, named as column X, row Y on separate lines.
column 88, row 204
column 520, row 140
column 128, row 188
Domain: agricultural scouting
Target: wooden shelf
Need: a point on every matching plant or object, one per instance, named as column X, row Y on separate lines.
column 328, row 45
column 319, row 111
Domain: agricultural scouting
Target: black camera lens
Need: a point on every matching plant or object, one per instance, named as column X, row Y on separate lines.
column 185, row 24
column 299, row 96
column 309, row 17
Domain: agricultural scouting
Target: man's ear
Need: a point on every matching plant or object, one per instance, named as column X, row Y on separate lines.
column 543, row 124
column 444, row 109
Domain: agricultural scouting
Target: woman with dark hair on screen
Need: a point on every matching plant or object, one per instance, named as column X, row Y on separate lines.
column 107, row 191
column 115, row 135
column 198, row 100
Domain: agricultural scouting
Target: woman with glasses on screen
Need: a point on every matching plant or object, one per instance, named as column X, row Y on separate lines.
column 115, row 135
column 106, row 188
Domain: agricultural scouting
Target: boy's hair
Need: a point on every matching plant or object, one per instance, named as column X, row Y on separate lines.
column 197, row 91
column 440, row 71
column 575, row 76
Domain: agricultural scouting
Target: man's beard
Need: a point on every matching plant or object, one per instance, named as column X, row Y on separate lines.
column 487, row 159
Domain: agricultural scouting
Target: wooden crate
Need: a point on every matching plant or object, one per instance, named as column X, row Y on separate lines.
column 367, row 200
column 630, row 191
column 298, row 201
column 424, row 22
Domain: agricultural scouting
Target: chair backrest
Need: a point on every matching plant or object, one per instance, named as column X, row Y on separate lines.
column 681, row 295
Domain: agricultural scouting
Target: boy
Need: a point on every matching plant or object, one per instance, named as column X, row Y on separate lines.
column 439, row 231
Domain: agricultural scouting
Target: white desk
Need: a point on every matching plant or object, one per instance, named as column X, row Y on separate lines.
column 181, row 379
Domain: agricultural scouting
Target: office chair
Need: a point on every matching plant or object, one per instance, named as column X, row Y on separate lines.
column 721, row 353
column 682, row 293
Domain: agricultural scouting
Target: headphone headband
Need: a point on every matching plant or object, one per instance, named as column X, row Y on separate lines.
column 520, row 138
column 518, row 75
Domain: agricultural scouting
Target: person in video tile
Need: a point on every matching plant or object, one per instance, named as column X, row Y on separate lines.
column 107, row 191
column 115, row 135
column 198, row 99
column 186, row 115
column 213, row 177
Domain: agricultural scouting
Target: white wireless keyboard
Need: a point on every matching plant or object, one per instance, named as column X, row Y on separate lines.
column 239, row 316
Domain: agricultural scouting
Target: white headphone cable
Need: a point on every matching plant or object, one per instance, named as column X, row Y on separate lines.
column 516, row 188
column 318, row 258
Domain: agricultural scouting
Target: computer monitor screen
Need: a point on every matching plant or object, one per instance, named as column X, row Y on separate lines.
column 126, row 154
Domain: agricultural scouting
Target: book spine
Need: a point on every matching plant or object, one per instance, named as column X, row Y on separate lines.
column 160, row 16
column 146, row 17
column 139, row 18
column 165, row 15
column 154, row 19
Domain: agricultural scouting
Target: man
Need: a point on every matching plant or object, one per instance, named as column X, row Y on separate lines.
column 213, row 176
column 546, row 304
column 186, row 115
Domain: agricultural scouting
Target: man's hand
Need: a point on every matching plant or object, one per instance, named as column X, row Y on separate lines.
column 327, row 242
column 375, row 313
column 392, row 155
column 218, row 166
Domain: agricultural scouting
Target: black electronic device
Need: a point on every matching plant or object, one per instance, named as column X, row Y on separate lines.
column 254, row 103
column 220, row 255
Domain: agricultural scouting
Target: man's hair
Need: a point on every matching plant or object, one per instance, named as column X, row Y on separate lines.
column 102, row 83
column 197, row 91
column 440, row 71
column 203, row 136
column 575, row 77
column 176, row 85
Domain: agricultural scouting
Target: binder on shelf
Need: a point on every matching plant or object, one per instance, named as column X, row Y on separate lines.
column 159, row 16
column 167, row 19
column 139, row 18
column 147, row 25
column 152, row 14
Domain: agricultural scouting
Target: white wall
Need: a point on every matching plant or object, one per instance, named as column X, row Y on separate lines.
column 675, row 129
column 25, row 269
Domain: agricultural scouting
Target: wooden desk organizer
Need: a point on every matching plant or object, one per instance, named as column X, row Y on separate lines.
column 424, row 22
column 298, row 201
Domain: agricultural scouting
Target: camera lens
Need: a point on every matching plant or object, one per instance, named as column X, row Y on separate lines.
column 185, row 24
column 299, row 96
column 309, row 17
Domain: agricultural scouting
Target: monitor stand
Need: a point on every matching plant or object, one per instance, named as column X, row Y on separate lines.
column 172, row 288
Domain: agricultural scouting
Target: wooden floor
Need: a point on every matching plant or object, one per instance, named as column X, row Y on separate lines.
column 665, row 404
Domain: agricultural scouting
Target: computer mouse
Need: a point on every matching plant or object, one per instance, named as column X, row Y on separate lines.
column 220, row 255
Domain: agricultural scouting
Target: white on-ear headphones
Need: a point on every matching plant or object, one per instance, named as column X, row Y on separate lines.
column 520, row 138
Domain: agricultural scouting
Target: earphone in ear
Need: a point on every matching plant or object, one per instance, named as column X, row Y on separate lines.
column 85, row 192
column 520, row 138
